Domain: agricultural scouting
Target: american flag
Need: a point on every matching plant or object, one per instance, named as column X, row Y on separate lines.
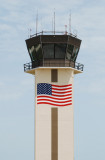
column 56, row 95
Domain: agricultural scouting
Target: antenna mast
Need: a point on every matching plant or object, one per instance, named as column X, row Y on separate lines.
column 52, row 25
column 30, row 32
column 65, row 29
column 70, row 22
column 54, row 20
column 36, row 21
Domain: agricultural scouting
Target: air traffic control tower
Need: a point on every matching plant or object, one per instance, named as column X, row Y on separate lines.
column 53, row 63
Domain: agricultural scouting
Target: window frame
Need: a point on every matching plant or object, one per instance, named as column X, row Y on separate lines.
column 54, row 50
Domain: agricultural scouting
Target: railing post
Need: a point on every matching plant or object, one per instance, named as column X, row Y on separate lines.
column 24, row 67
column 78, row 66
column 82, row 67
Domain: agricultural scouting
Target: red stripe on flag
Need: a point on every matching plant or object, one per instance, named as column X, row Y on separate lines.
column 61, row 89
column 61, row 95
column 61, row 92
column 38, row 100
column 61, row 85
column 53, row 97
column 54, row 104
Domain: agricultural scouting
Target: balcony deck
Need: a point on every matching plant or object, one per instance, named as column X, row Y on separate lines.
column 53, row 64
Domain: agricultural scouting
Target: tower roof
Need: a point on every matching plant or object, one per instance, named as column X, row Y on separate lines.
column 70, row 39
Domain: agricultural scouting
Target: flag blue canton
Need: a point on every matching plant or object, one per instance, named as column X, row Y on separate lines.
column 44, row 88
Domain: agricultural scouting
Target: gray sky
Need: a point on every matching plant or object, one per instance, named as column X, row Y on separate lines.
column 17, row 88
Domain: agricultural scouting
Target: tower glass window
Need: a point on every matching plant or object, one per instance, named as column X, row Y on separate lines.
column 72, row 52
column 54, row 51
column 36, row 52
column 32, row 52
column 69, row 51
column 60, row 50
column 48, row 50
column 75, row 53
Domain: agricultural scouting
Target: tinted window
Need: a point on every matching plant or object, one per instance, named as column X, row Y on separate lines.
column 60, row 50
column 54, row 51
column 48, row 51
column 36, row 52
column 75, row 53
column 31, row 52
column 69, row 51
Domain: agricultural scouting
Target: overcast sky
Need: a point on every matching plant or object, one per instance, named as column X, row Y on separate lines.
column 17, row 87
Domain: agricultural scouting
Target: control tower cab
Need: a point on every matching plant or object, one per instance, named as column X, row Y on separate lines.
column 53, row 51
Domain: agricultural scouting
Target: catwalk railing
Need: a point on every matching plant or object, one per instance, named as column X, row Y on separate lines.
column 53, row 33
column 53, row 63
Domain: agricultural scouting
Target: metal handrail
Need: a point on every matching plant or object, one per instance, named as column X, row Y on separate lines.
column 32, row 65
column 52, row 33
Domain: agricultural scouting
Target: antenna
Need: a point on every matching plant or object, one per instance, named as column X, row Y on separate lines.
column 70, row 22
column 54, row 20
column 36, row 21
column 52, row 24
column 75, row 32
column 30, row 32
column 65, row 29
column 41, row 24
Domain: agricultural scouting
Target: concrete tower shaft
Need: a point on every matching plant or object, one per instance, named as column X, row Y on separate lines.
column 54, row 139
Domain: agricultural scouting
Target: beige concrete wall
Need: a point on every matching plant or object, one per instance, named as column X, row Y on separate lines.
column 43, row 120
